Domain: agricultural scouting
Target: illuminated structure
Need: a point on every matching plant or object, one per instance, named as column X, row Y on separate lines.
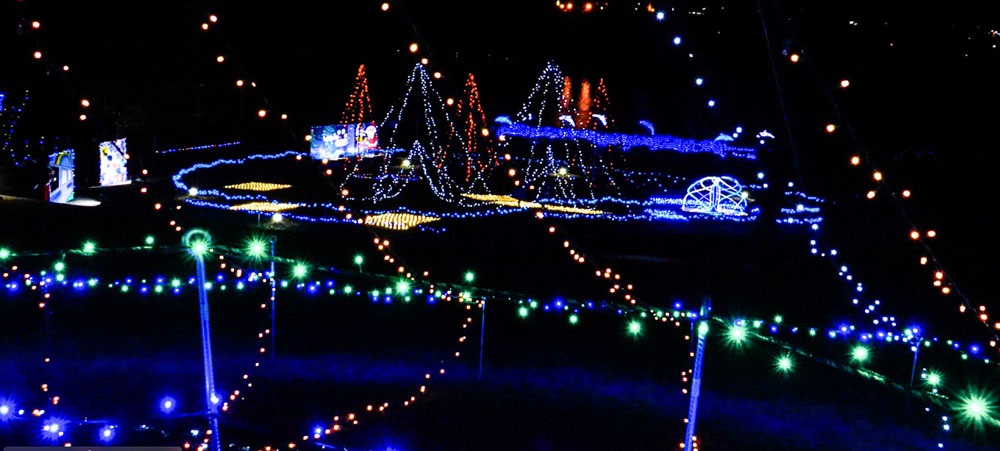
column 716, row 195
column 61, row 179
column 114, row 163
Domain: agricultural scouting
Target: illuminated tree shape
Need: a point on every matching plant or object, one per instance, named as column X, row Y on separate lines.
column 601, row 107
column 559, row 169
column 544, row 104
column 479, row 152
column 716, row 195
column 566, row 101
column 359, row 105
column 414, row 171
column 421, row 116
column 583, row 106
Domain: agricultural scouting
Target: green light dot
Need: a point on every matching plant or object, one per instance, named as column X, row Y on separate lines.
column 736, row 336
column 860, row 354
column 199, row 248
column 150, row 240
column 256, row 248
column 522, row 312
column 300, row 270
column 778, row 319
column 573, row 319
column 124, row 288
column 634, row 328
column 784, row 363
column 158, row 289
column 59, row 266
column 89, row 247
column 5, row 253
column 348, row 289
column 175, row 283
column 470, row 276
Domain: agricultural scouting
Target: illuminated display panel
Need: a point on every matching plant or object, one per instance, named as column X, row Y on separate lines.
column 62, row 168
column 333, row 142
column 114, row 163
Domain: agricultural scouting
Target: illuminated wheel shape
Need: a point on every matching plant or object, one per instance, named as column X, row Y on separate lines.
column 716, row 195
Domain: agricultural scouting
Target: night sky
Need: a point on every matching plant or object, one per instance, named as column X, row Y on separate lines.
column 910, row 89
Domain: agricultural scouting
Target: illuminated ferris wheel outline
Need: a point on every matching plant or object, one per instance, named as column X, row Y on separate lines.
column 716, row 195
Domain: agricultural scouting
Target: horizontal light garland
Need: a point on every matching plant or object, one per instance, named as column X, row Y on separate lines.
column 627, row 142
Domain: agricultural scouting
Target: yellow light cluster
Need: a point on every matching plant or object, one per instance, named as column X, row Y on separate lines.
column 508, row 201
column 398, row 221
column 264, row 206
column 258, row 186
column 574, row 210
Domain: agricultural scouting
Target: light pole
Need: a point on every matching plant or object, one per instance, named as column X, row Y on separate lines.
column 198, row 241
column 706, row 307
column 482, row 339
column 274, row 291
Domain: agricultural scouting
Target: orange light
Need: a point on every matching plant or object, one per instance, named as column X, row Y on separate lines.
column 38, row 55
column 204, row 26
column 931, row 234
column 220, row 59
column 437, row 75
column 906, row 193
column 414, row 47
column 262, row 113
column 914, row 234
column 385, row 6
column 83, row 117
column 870, row 195
column 84, row 103
column 587, row 7
column 855, row 160
column 449, row 101
column 213, row 18
column 36, row 24
column 794, row 58
column 845, row 83
column 239, row 83
column 877, row 176
column 830, row 128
